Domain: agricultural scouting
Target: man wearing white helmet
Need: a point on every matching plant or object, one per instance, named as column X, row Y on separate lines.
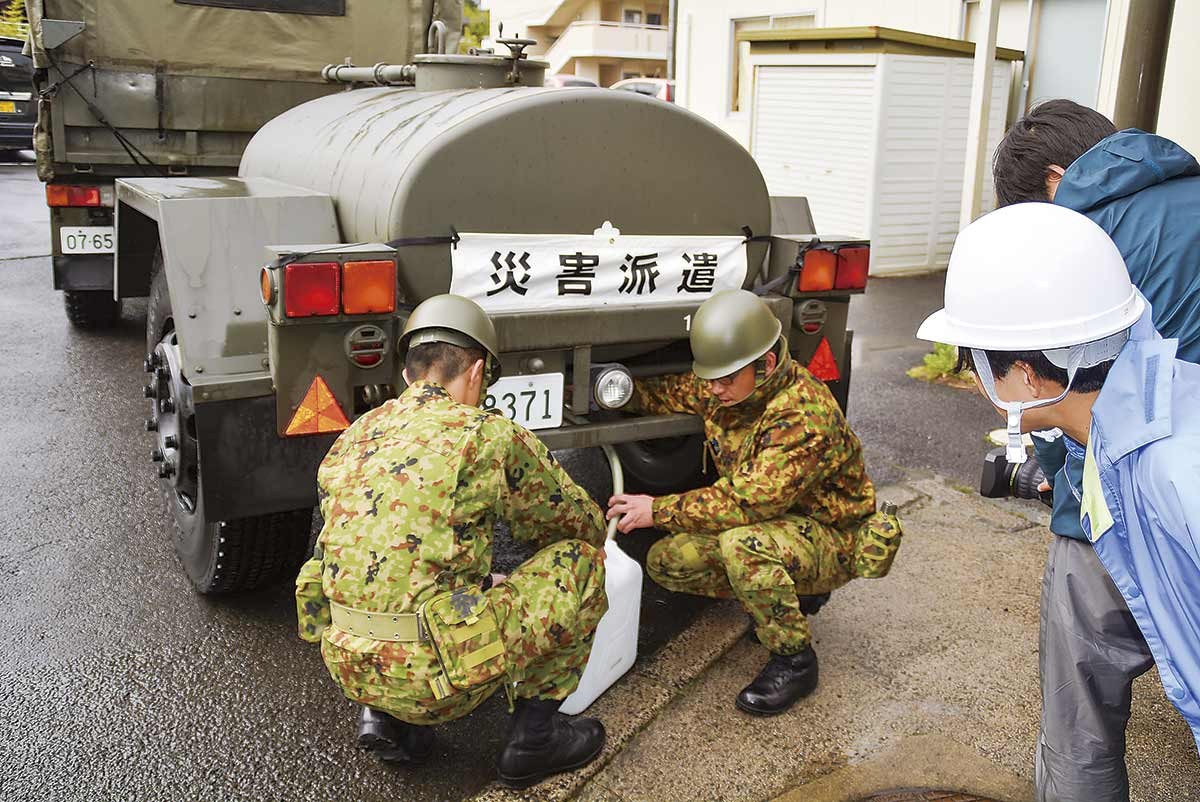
column 1040, row 305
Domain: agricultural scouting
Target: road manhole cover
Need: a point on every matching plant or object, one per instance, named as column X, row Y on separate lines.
column 923, row 795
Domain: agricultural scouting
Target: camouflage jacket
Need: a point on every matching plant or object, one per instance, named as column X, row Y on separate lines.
column 785, row 449
column 409, row 494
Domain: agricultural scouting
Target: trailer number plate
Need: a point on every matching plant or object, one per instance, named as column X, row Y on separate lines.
column 86, row 239
column 8, row 107
column 534, row 401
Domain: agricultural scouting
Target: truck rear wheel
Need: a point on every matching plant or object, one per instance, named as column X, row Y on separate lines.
column 666, row 464
column 219, row 556
column 91, row 309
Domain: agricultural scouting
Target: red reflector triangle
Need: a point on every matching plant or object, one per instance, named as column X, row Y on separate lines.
column 319, row 412
column 823, row 365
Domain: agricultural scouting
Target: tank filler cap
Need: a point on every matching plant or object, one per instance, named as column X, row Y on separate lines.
column 516, row 48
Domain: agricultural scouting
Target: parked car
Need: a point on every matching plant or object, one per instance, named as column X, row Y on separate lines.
column 18, row 112
column 566, row 79
column 660, row 88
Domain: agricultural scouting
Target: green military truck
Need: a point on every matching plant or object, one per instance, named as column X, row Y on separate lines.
column 590, row 224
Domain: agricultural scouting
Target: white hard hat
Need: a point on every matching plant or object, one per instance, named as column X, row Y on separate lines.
column 1033, row 277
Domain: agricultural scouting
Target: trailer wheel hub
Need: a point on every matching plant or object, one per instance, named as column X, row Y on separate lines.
column 172, row 418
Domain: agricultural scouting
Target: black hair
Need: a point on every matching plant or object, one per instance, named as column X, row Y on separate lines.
column 1087, row 380
column 445, row 360
column 1053, row 132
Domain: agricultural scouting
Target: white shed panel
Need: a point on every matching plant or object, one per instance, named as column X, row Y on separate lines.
column 814, row 136
column 878, row 150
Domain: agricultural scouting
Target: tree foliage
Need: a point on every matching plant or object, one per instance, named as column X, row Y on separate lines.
column 13, row 19
column 476, row 25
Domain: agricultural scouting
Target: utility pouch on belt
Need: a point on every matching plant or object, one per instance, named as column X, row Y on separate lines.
column 876, row 543
column 466, row 637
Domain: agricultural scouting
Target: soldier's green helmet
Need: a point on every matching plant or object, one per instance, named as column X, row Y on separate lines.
column 456, row 320
column 731, row 330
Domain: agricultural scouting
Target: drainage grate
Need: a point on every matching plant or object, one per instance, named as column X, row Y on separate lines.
column 922, row 795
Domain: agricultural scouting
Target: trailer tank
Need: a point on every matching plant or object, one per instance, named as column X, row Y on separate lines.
column 401, row 163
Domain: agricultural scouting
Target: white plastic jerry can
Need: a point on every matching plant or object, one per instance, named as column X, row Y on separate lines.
column 615, row 645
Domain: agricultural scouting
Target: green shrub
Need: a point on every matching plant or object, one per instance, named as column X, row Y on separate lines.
column 938, row 366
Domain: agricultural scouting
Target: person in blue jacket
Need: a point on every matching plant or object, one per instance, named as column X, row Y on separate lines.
column 1040, row 304
column 1144, row 191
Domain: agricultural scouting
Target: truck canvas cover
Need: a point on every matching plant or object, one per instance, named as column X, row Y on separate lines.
column 238, row 38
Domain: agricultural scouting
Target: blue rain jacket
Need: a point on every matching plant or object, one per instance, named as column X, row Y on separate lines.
column 1140, row 494
column 1144, row 191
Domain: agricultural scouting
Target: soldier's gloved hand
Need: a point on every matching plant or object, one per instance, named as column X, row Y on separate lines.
column 637, row 511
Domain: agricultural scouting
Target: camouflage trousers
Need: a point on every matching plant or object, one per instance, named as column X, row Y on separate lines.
column 765, row 566
column 547, row 610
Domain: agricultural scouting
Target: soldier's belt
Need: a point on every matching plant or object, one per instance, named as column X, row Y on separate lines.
column 378, row 626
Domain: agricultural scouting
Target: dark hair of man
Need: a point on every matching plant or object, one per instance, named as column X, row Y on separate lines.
column 1087, row 380
column 1053, row 132
column 440, row 362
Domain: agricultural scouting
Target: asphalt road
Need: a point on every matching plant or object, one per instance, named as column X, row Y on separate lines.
column 117, row 681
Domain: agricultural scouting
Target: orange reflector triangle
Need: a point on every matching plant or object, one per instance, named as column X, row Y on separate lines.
column 319, row 412
column 823, row 365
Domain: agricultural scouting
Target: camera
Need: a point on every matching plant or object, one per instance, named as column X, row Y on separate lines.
column 1002, row 478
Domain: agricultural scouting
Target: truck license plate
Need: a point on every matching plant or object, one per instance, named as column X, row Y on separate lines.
column 8, row 107
column 86, row 239
column 533, row 401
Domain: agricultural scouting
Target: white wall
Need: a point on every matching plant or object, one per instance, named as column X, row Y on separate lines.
column 1179, row 113
column 704, row 49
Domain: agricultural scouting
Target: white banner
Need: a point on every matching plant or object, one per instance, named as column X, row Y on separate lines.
column 523, row 272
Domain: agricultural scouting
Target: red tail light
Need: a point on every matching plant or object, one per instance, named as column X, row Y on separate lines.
column 817, row 272
column 311, row 289
column 852, row 264
column 67, row 195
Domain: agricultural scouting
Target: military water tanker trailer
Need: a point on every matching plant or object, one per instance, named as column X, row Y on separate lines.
column 590, row 224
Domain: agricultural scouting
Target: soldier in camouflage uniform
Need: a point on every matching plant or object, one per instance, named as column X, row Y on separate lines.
column 791, row 516
column 410, row 493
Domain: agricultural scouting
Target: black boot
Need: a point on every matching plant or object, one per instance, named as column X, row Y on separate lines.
column 393, row 740
column 785, row 679
column 545, row 742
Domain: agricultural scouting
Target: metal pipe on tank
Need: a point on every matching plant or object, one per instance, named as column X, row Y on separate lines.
column 380, row 74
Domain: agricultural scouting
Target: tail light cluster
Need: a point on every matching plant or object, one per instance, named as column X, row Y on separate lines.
column 841, row 268
column 322, row 289
column 60, row 195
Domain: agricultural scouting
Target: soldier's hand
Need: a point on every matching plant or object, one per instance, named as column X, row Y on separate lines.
column 637, row 511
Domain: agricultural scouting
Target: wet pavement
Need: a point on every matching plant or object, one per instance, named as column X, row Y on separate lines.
column 117, row 681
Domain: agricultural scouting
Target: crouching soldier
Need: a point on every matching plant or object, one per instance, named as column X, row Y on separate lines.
column 792, row 514
column 395, row 592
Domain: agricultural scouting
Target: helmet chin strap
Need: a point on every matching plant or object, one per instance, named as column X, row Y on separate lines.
column 1015, row 450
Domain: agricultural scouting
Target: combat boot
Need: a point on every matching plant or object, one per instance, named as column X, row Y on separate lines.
column 393, row 740
column 785, row 679
column 544, row 742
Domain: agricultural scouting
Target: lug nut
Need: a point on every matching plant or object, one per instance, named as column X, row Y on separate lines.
column 156, row 454
column 166, row 405
column 151, row 425
column 149, row 391
column 166, row 470
column 150, row 363
column 170, row 441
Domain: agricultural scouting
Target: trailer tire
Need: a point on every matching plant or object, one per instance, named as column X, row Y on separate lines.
column 666, row 465
column 91, row 309
column 219, row 556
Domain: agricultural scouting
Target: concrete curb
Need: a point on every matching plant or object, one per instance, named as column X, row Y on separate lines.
column 638, row 698
column 635, row 701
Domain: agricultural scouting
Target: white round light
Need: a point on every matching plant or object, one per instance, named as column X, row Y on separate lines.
column 614, row 388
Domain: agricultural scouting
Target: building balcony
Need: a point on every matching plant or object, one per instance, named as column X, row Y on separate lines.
column 604, row 39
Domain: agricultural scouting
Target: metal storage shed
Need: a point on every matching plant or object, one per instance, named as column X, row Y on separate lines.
column 870, row 124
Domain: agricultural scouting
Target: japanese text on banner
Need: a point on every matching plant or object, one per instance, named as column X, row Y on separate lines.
column 526, row 272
